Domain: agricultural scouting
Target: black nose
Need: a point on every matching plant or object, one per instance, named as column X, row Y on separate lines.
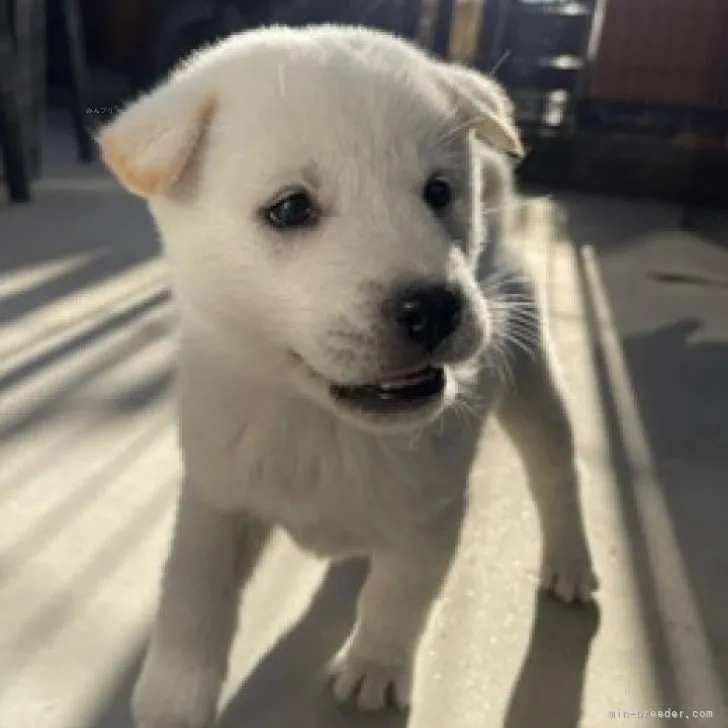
column 428, row 316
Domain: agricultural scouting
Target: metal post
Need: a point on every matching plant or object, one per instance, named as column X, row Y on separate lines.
column 17, row 175
column 443, row 26
column 77, row 65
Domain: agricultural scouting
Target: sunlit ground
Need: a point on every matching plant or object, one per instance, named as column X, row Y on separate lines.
column 88, row 467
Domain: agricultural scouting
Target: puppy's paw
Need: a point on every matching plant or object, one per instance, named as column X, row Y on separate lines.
column 167, row 698
column 568, row 574
column 371, row 685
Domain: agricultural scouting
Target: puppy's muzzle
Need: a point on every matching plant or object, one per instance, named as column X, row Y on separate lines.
column 426, row 316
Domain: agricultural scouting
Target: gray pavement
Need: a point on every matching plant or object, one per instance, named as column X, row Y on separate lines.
column 88, row 468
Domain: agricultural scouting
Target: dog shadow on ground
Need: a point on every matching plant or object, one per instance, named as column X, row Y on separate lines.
column 289, row 687
column 548, row 691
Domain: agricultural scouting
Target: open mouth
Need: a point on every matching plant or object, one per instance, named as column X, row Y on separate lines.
column 414, row 389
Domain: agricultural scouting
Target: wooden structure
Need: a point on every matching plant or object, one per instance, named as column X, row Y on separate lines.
column 668, row 52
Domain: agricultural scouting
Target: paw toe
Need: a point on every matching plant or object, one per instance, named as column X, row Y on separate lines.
column 570, row 580
column 371, row 686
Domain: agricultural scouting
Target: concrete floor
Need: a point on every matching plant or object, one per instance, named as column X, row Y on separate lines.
column 88, row 469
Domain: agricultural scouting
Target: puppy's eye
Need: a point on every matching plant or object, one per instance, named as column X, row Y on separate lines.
column 437, row 193
column 295, row 210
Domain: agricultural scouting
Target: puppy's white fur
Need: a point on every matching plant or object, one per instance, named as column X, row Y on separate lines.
column 271, row 319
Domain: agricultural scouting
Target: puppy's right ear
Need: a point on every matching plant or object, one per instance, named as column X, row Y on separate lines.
column 149, row 144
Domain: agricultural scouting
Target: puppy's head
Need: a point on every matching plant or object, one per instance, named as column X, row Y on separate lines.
column 319, row 194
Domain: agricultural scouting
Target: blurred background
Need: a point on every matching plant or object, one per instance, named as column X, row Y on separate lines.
column 627, row 96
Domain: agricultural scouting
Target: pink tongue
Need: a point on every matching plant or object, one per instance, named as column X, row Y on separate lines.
column 405, row 381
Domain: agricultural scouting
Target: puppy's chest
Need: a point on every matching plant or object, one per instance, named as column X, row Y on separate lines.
column 338, row 490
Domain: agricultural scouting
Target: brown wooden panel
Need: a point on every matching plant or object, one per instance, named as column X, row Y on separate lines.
column 663, row 51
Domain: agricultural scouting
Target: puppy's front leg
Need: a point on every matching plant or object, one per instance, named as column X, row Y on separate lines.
column 212, row 553
column 374, row 669
column 534, row 414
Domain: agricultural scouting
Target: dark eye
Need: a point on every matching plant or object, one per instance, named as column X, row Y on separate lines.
column 437, row 193
column 293, row 211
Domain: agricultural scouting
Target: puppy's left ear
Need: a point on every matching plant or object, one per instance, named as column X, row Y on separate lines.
column 482, row 104
column 151, row 142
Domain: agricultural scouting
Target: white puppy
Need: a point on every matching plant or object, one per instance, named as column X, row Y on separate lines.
column 334, row 204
